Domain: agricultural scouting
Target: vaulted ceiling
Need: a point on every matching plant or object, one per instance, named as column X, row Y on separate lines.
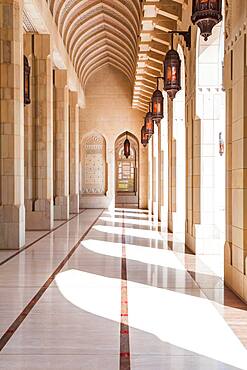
column 97, row 32
column 131, row 35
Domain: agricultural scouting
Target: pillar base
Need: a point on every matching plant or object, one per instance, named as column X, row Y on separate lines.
column 42, row 216
column 170, row 221
column 190, row 242
column 234, row 279
column 74, row 203
column 12, row 227
column 61, row 208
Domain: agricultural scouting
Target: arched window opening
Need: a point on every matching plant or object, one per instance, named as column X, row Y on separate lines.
column 126, row 179
column 126, row 172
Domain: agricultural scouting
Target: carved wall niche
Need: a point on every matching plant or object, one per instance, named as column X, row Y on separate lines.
column 93, row 165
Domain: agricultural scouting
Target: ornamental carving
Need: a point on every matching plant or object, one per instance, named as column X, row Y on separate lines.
column 93, row 165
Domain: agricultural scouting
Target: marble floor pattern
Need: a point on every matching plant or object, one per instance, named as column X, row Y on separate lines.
column 62, row 301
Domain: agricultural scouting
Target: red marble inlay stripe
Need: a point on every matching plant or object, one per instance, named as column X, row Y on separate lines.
column 124, row 332
column 37, row 240
column 125, row 354
column 124, row 327
column 18, row 321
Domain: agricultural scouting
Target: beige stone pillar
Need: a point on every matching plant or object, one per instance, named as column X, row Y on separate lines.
column 160, row 174
column 170, row 166
column 29, row 131
column 236, row 197
column 12, row 210
column 61, row 145
column 150, row 175
column 143, row 170
column 173, row 177
column 155, row 195
column 163, row 137
column 193, row 170
column 74, row 152
column 41, row 218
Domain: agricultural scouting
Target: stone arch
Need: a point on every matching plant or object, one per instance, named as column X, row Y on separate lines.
column 127, row 172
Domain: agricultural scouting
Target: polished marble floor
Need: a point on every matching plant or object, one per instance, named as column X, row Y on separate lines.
column 116, row 291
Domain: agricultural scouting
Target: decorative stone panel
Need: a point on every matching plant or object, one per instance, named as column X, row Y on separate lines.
column 93, row 165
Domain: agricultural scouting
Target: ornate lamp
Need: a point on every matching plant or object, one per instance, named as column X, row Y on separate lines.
column 149, row 123
column 144, row 136
column 172, row 65
column 127, row 147
column 172, row 72
column 157, row 104
column 206, row 14
column 27, row 70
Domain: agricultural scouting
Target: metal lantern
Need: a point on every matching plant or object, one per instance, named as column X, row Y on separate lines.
column 172, row 73
column 157, row 104
column 206, row 14
column 27, row 70
column 144, row 136
column 149, row 123
column 127, row 147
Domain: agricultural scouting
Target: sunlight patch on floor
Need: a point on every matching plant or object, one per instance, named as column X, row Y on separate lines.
column 138, row 233
column 184, row 321
column 151, row 256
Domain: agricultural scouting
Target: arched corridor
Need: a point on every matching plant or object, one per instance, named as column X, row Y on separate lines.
column 123, row 231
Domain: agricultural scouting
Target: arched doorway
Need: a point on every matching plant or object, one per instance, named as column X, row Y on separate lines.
column 210, row 111
column 180, row 155
column 126, row 178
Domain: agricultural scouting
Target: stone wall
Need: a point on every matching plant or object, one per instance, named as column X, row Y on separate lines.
column 108, row 112
column 235, row 74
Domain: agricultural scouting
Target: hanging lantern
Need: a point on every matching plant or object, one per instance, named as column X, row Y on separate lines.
column 172, row 73
column 149, row 123
column 127, row 147
column 27, row 71
column 144, row 136
column 157, row 105
column 206, row 14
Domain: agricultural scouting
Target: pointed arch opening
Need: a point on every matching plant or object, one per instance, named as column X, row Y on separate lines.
column 126, row 172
